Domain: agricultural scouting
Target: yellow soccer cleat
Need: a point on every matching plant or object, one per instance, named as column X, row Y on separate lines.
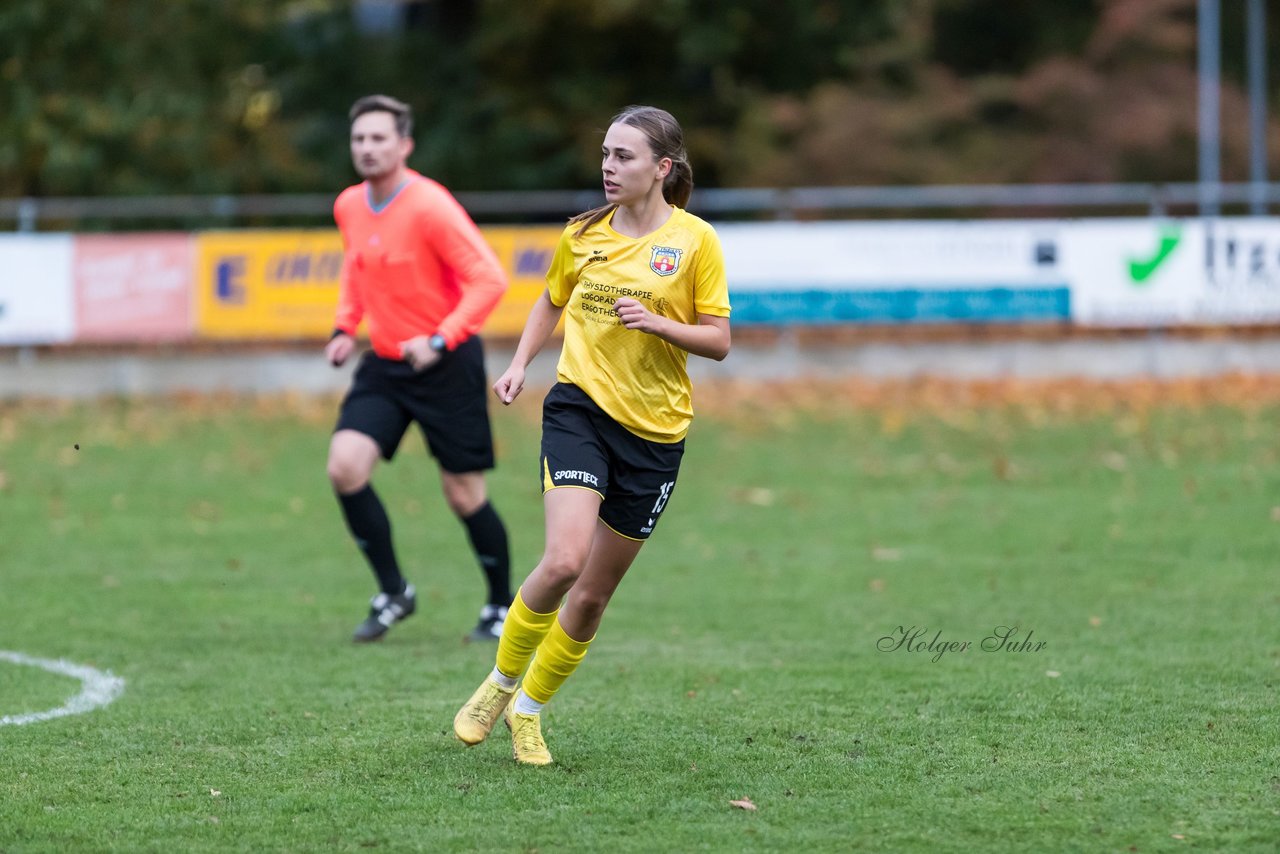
column 476, row 718
column 526, row 738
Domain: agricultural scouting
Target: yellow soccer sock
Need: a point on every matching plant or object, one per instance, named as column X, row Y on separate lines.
column 557, row 658
column 521, row 634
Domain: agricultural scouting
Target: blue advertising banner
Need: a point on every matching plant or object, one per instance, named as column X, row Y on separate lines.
column 903, row 305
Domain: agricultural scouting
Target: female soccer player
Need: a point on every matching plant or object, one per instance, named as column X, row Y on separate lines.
column 642, row 284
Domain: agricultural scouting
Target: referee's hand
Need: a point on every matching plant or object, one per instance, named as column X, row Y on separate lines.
column 418, row 353
column 339, row 349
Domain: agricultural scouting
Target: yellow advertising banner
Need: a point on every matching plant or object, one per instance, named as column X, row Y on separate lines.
column 525, row 253
column 267, row 284
column 256, row 285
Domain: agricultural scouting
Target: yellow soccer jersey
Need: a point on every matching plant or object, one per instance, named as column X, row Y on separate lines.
column 678, row 272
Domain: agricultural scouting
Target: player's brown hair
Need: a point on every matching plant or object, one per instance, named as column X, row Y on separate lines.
column 666, row 139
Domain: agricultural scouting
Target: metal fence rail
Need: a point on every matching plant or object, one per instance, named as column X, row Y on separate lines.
column 27, row 214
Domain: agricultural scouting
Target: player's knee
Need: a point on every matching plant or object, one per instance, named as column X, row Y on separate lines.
column 464, row 500
column 590, row 605
column 560, row 568
column 346, row 474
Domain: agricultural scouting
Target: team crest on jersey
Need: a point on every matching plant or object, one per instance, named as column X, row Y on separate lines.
column 665, row 260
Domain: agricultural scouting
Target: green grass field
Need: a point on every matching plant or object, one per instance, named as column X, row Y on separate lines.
column 195, row 550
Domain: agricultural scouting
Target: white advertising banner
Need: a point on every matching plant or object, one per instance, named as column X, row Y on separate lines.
column 1136, row 272
column 1152, row 272
column 36, row 305
column 895, row 272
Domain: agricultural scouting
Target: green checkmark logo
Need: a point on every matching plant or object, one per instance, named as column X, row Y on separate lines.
column 1142, row 269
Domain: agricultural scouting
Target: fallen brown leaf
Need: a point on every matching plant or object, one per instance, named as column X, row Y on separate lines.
column 1002, row 468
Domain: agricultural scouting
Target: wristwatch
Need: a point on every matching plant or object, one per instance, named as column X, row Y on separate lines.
column 436, row 342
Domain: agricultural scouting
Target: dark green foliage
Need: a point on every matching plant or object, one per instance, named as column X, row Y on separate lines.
column 131, row 97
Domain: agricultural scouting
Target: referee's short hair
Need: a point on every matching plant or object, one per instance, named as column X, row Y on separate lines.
column 401, row 111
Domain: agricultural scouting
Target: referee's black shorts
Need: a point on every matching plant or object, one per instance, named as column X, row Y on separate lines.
column 582, row 446
column 449, row 401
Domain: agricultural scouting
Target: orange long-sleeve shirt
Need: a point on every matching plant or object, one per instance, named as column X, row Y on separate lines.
column 417, row 265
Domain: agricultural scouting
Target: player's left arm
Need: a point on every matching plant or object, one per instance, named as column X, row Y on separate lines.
column 461, row 247
column 710, row 336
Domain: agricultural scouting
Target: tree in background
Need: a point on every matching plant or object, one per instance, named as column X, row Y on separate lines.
column 973, row 91
column 111, row 96
column 241, row 96
column 517, row 97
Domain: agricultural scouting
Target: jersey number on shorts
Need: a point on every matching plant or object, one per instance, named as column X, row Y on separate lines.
column 664, row 492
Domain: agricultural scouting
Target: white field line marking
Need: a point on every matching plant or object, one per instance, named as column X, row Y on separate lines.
column 99, row 688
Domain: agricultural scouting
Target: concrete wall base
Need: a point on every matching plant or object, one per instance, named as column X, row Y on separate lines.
column 79, row 374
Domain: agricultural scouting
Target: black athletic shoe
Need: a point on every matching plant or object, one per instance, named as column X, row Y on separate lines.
column 490, row 626
column 384, row 612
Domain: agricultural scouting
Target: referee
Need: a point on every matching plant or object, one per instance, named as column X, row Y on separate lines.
column 418, row 273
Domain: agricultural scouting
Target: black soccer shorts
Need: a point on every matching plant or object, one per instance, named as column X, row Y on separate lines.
column 449, row 401
column 582, row 446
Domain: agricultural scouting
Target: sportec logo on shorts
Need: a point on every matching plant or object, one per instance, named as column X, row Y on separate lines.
column 571, row 474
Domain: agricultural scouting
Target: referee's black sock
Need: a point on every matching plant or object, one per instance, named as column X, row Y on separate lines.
column 368, row 522
column 489, row 539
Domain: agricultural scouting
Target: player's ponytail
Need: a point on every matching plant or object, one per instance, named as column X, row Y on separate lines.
column 678, row 186
column 666, row 139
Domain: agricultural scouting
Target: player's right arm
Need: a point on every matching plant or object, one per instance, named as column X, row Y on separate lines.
column 350, row 309
column 543, row 317
column 542, row 321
